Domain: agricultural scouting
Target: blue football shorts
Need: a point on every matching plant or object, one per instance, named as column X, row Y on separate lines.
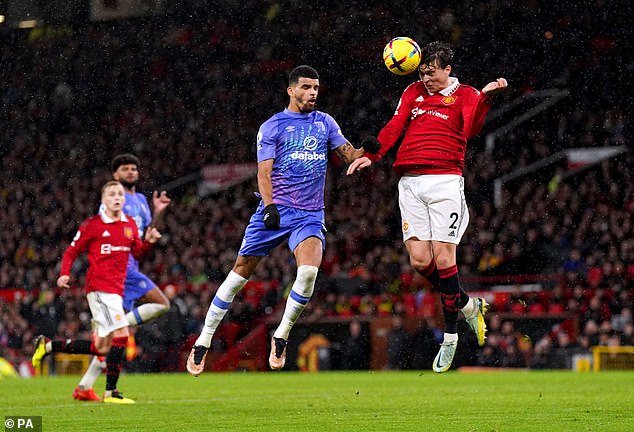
column 136, row 286
column 295, row 225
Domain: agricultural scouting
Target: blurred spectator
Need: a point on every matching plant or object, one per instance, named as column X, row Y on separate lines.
column 627, row 338
column 424, row 342
column 397, row 345
column 562, row 352
column 356, row 351
column 542, row 356
column 46, row 314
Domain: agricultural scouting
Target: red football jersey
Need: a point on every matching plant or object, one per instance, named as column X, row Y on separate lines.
column 109, row 244
column 437, row 127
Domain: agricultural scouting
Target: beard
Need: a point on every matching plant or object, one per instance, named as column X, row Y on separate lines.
column 306, row 108
column 127, row 184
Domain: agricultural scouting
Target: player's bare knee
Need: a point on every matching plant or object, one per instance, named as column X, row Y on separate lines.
column 445, row 261
column 419, row 264
column 158, row 297
column 444, row 254
column 163, row 301
column 164, row 308
column 245, row 265
column 103, row 347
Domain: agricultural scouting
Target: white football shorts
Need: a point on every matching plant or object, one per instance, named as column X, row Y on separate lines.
column 107, row 312
column 433, row 207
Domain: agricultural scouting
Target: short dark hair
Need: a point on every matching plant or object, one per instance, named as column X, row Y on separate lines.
column 302, row 71
column 440, row 52
column 124, row 159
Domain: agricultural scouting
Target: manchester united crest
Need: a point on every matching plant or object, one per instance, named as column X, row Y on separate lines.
column 448, row 100
column 127, row 232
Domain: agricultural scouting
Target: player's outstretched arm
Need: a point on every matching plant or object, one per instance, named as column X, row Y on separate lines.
column 348, row 153
column 358, row 165
column 495, row 87
column 369, row 144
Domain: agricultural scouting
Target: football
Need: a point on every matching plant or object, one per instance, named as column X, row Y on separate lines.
column 401, row 55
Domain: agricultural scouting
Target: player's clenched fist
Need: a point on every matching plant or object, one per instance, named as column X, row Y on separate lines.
column 371, row 144
column 271, row 217
column 62, row 281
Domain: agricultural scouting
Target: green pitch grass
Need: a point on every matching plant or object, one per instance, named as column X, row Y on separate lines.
column 337, row 401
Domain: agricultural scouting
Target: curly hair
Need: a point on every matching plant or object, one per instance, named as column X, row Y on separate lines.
column 124, row 159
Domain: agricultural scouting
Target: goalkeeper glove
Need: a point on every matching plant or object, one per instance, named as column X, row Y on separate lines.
column 371, row 144
column 271, row 217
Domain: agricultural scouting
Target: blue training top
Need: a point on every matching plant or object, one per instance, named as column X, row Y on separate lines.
column 299, row 143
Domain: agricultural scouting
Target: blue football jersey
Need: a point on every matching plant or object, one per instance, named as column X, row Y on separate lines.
column 137, row 207
column 299, row 144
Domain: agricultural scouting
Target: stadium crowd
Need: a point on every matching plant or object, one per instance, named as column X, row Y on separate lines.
column 190, row 88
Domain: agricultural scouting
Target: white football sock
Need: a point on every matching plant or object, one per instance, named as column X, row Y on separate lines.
column 450, row 337
column 95, row 369
column 469, row 307
column 299, row 296
column 219, row 306
column 145, row 313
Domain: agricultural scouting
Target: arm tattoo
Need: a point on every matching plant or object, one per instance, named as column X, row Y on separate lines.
column 347, row 153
